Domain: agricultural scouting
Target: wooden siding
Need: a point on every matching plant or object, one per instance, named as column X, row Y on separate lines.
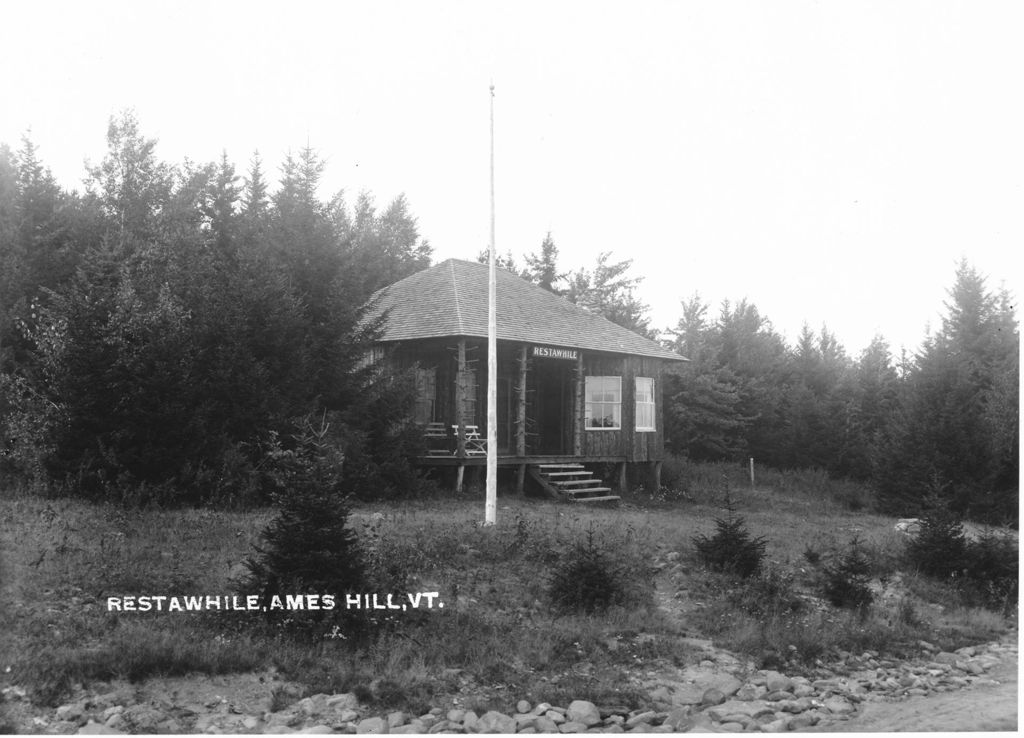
column 627, row 441
column 624, row 443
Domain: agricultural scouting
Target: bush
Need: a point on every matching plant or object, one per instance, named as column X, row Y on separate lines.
column 991, row 570
column 846, row 578
column 939, row 549
column 732, row 548
column 309, row 547
column 586, row 579
column 770, row 593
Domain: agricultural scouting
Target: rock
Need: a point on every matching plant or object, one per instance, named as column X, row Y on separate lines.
column 414, row 728
column 524, row 720
column 744, row 720
column 522, row 706
column 778, row 696
column 395, row 719
column 320, row 728
column 116, row 722
column 109, row 699
column 285, row 717
column 945, row 657
column 779, row 725
column 344, row 701
column 776, row 682
column 643, row 717
column 441, row 726
column 753, row 708
column 680, row 719
column 731, row 727
column 838, row 706
column 455, row 715
column 470, row 721
column 804, row 720
column 572, row 726
column 278, row 730
column 143, row 718
column 13, row 693
column 170, row 726
column 712, row 696
column 541, row 708
column 315, row 705
column 750, row 692
column 92, row 728
column 372, row 725
column 493, row 721
column 662, row 694
column 545, row 724
column 72, row 713
column 556, row 716
column 803, row 690
column 582, row 711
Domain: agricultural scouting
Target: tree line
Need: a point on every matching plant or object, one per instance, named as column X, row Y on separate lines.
column 938, row 425
column 164, row 332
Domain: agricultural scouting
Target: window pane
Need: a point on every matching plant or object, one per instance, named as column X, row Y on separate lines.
column 603, row 402
column 644, row 403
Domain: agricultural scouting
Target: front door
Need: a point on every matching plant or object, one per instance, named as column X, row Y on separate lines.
column 552, row 411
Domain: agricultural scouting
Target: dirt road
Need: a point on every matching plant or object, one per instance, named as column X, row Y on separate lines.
column 985, row 707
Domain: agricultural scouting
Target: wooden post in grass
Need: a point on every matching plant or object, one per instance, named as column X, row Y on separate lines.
column 751, row 473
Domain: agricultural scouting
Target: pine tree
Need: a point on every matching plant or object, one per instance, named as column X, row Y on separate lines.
column 963, row 378
column 542, row 269
column 309, row 547
column 607, row 291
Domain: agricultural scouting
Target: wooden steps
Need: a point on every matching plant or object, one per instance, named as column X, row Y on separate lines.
column 571, row 482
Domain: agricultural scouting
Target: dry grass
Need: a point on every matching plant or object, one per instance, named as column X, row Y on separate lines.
column 498, row 639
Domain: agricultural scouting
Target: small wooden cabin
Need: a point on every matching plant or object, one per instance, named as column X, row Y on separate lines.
column 574, row 389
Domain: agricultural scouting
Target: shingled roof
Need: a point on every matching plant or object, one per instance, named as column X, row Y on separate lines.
column 450, row 299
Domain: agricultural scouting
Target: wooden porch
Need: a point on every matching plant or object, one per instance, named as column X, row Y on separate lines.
column 543, row 467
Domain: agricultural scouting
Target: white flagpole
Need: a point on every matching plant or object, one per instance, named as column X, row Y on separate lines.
column 491, row 505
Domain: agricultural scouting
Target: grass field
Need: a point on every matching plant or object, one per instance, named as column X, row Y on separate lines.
column 498, row 639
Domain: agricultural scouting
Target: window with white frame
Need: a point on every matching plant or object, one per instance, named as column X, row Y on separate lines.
column 645, row 403
column 604, row 403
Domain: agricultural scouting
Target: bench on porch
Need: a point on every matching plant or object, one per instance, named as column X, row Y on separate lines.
column 438, row 440
column 442, row 443
column 476, row 445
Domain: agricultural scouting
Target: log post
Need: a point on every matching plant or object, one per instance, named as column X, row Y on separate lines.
column 578, row 410
column 460, row 406
column 520, row 478
column 460, row 473
column 655, row 467
column 521, row 407
column 622, row 476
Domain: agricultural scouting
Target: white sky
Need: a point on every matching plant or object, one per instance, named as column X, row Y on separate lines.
column 830, row 161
